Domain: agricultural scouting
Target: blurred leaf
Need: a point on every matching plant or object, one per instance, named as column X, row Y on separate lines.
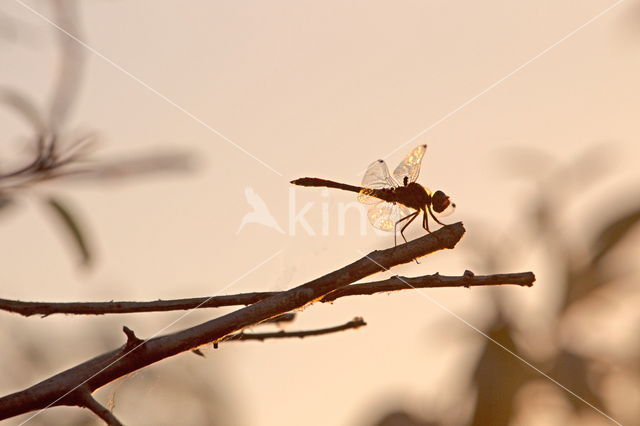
column 71, row 224
column 136, row 166
column 24, row 107
column 70, row 71
column 5, row 202
column 400, row 417
column 614, row 232
column 588, row 168
column 576, row 282
column 498, row 377
column 573, row 372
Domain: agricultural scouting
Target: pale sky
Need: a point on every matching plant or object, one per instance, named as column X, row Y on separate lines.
column 301, row 88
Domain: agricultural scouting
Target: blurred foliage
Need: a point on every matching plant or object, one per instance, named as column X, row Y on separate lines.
column 585, row 284
column 402, row 418
column 70, row 223
column 612, row 234
column 55, row 152
column 498, row 376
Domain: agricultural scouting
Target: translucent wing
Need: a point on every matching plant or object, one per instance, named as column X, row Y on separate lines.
column 376, row 177
column 410, row 166
column 384, row 215
column 365, row 198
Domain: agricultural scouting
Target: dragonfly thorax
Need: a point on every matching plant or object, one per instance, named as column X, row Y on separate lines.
column 412, row 195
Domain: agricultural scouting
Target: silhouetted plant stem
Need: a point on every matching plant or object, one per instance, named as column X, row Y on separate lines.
column 395, row 283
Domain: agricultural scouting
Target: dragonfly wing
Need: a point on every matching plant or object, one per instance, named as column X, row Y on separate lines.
column 384, row 215
column 365, row 198
column 410, row 166
column 377, row 176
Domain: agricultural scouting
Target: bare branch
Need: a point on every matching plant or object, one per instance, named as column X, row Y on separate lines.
column 100, row 308
column 392, row 284
column 117, row 363
column 354, row 323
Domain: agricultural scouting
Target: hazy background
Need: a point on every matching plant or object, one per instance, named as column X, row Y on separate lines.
column 322, row 89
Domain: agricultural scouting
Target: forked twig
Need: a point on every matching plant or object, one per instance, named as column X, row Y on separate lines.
column 85, row 399
column 354, row 323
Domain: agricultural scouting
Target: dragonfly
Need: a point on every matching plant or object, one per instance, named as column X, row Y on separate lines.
column 394, row 199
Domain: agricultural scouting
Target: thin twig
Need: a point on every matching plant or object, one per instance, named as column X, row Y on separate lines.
column 86, row 400
column 117, row 363
column 392, row 284
column 396, row 283
column 354, row 323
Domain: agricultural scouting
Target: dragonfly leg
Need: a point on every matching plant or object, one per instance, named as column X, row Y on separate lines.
column 411, row 217
column 395, row 229
column 425, row 222
column 433, row 216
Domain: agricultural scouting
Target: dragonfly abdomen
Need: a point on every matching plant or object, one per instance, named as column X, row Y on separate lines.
column 309, row 181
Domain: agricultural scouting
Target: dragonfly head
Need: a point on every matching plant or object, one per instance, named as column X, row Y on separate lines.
column 441, row 203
